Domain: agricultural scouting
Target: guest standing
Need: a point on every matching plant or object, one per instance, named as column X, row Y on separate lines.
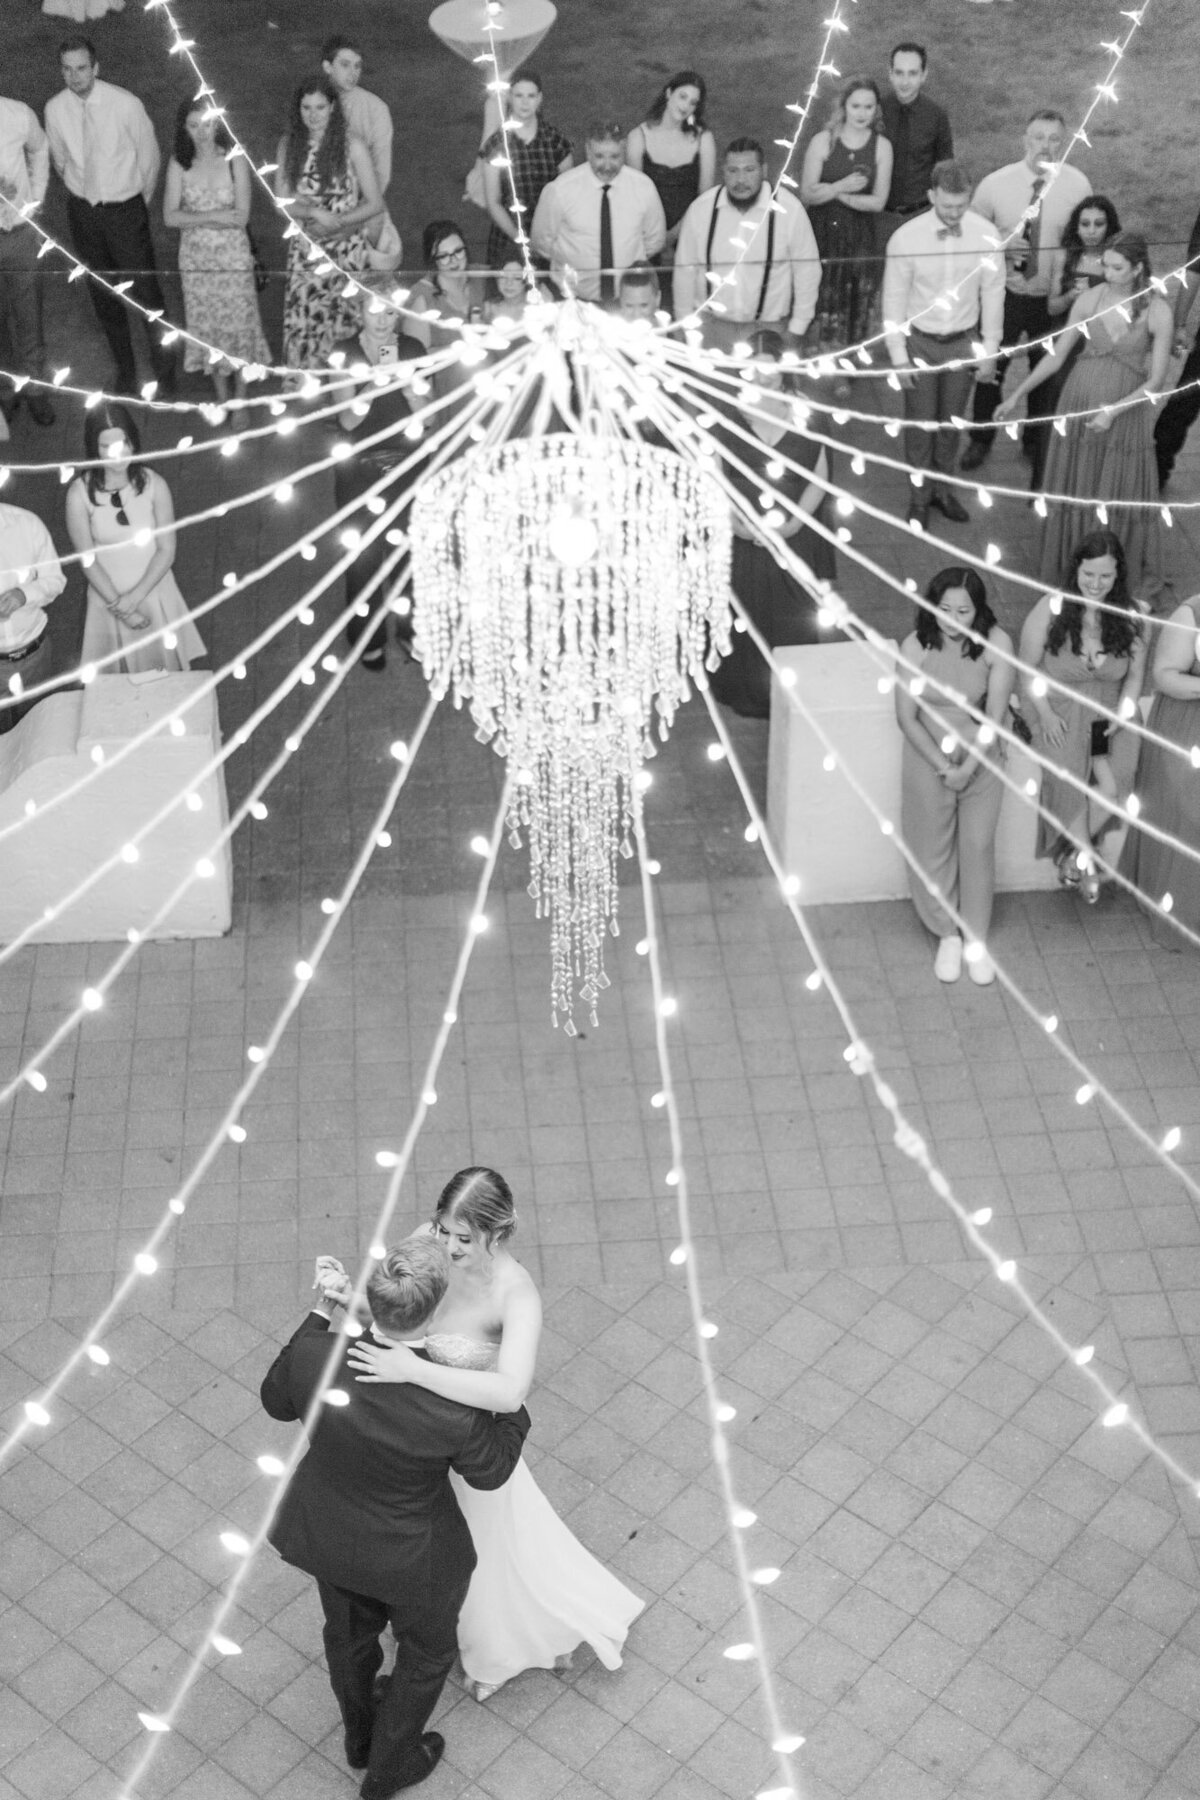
column 103, row 146
column 940, row 281
column 918, row 131
column 675, row 148
column 1179, row 414
column 847, row 172
column 600, row 218
column 782, row 609
column 1078, row 263
column 1094, row 645
column 207, row 200
column 131, row 588
column 1168, row 786
column 773, row 285
column 30, row 578
column 1029, row 203
column 367, row 116
column 951, row 794
column 328, row 185
column 538, row 152
column 1107, row 456
column 24, row 173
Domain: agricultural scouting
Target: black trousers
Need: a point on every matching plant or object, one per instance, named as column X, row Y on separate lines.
column 353, row 478
column 426, row 1633
column 115, row 241
column 1025, row 315
column 1177, row 416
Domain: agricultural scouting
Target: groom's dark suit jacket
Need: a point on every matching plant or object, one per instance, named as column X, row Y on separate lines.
column 370, row 1508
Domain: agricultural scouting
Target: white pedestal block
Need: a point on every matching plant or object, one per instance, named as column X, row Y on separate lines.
column 53, row 851
column 821, row 830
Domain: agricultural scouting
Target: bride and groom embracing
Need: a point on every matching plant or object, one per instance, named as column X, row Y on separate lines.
column 413, row 1506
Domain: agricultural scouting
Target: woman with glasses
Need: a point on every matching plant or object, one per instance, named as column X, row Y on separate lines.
column 445, row 298
column 133, row 604
column 328, row 184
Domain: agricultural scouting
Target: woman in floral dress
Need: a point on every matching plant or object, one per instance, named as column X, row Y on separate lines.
column 326, row 180
column 207, row 200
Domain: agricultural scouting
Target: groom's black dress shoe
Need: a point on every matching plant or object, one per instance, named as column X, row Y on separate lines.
column 358, row 1751
column 426, row 1759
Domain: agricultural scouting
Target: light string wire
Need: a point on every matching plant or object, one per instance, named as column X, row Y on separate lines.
column 499, row 86
column 36, row 1410
column 1092, row 1085
column 738, row 1518
column 861, row 1061
column 841, row 539
column 157, row 1724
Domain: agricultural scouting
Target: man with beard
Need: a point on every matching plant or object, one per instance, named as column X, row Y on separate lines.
column 753, row 251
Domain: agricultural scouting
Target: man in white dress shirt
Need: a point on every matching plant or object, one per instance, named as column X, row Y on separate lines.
column 30, row 578
column 1029, row 202
column 103, row 146
column 600, row 218
column 943, row 283
column 24, row 172
column 366, row 114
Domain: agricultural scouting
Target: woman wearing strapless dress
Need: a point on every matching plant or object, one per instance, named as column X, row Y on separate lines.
column 536, row 1593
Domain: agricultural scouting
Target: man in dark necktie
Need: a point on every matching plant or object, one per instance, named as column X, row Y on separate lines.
column 1029, row 203
column 599, row 218
column 918, row 131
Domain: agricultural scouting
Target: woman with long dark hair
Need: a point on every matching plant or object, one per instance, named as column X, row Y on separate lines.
column 536, row 1593
column 1078, row 262
column 1093, row 643
column 327, row 181
column 207, row 200
column 1106, row 455
column 131, row 588
column 953, row 683
column 674, row 146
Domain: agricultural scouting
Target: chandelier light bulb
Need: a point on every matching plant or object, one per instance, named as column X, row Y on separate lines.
column 572, row 536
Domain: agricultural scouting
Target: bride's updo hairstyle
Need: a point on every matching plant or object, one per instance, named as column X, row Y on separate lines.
column 481, row 1200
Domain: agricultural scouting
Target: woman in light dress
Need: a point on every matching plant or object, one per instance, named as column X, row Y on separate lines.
column 131, row 589
column 207, row 200
column 536, row 1593
column 1167, row 877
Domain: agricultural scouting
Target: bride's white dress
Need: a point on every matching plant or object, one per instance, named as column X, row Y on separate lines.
column 536, row 1593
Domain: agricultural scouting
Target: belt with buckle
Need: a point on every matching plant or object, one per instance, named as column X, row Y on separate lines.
column 23, row 650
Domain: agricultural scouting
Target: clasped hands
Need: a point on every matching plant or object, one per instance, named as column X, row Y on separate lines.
column 371, row 1362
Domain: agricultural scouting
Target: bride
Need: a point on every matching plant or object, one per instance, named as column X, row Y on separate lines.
column 536, row 1593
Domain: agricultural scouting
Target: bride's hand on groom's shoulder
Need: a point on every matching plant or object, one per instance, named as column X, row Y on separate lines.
column 373, row 1363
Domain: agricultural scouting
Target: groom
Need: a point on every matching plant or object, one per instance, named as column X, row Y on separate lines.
column 371, row 1514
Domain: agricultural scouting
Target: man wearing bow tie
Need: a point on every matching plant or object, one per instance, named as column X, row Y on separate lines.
column 1029, row 203
column 943, row 286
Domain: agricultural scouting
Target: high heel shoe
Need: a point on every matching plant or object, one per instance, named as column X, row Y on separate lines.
column 1070, row 875
column 482, row 1690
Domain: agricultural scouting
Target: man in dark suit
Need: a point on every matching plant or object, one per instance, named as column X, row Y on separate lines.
column 371, row 1515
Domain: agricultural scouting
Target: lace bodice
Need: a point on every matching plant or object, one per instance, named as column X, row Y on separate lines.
column 457, row 1351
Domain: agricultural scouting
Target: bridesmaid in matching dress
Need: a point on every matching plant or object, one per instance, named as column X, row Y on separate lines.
column 1169, row 786
column 844, row 185
column 1108, row 457
column 950, row 792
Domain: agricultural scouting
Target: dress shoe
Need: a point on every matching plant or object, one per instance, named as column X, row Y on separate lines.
column 974, row 457
column 918, row 513
column 39, row 409
column 425, row 1760
column 358, row 1751
column 950, row 506
column 947, row 964
column 980, row 966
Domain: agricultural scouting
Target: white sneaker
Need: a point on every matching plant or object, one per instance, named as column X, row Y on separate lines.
column 947, row 964
column 981, row 968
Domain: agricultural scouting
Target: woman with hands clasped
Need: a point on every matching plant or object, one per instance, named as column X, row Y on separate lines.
column 536, row 1593
column 950, row 793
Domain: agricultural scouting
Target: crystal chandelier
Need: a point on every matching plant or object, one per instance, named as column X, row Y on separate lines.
column 568, row 588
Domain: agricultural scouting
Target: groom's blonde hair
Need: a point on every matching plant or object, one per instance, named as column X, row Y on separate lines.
column 406, row 1288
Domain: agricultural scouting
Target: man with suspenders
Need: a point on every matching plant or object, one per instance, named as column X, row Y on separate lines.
column 752, row 252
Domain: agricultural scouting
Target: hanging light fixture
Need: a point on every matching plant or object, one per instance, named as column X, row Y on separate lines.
column 569, row 589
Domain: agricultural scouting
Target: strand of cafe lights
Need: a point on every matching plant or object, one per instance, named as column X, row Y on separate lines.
column 280, row 1469
column 446, row 441
column 860, row 1060
column 304, row 673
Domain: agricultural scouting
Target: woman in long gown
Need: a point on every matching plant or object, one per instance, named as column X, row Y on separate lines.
column 1169, row 786
column 328, row 183
column 131, row 589
column 1094, row 643
column 207, row 200
column 675, row 148
column 1108, row 457
column 779, row 463
column 844, row 185
column 536, row 1593
column 950, row 792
